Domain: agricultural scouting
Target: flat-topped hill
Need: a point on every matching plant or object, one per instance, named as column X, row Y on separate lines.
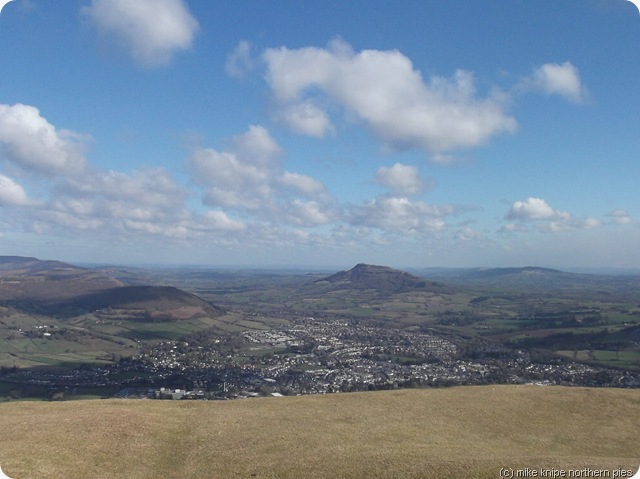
column 465, row 432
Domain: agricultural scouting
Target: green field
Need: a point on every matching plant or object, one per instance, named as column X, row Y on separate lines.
column 89, row 340
column 464, row 432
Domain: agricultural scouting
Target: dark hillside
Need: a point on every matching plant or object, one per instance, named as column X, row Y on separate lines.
column 144, row 302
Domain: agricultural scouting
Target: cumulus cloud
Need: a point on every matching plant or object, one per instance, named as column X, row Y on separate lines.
column 304, row 184
column 145, row 203
column 570, row 224
column 386, row 92
column 534, row 209
column 242, row 176
column 468, row 234
column 153, row 30
column 219, row 220
column 557, row 79
column 249, row 177
column 146, row 200
column 305, row 117
column 12, row 193
column 153, row 187
column 240, row 62
column 402, row 179
column 620, row 217
column 547, row 218
column 398, row 214
column 29, row 141
column 514, row 228
column 307, row 213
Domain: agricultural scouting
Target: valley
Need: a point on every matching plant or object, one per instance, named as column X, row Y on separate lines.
column 101, row 331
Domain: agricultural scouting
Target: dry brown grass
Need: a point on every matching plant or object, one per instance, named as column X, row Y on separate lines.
column 466, row 432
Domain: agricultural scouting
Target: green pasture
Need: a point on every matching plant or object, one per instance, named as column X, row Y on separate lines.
column 625, row 358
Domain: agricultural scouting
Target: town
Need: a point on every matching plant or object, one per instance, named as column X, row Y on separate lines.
column 317, row 356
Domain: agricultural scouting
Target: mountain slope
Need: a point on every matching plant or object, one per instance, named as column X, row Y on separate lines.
column 63, row 290
column 31, row 279
column 149, row 302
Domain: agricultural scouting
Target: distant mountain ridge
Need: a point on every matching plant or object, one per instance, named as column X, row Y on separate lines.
column 530, row 277
column 517, row 270
column 26, row 278
column 383, row 279
column 54, row 287
column 23, row 265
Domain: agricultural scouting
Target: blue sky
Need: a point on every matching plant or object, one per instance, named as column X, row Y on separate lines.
column 411, row 134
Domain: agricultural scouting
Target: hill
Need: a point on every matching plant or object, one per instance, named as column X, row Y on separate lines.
column 381, row 279
column 22, row 265
column 533, row 278
column 155, row 302
column 467, row 432
column 56, row 314
column 24, row 279
column 61, row 289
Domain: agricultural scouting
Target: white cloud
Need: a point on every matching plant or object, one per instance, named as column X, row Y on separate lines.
column 153, row 30
column 148, row 186
column 558, row 79
column 397, row 214
column 302, row 183
column 402, row 179
column 219, row 220
column 257, row 147
column 239, row 62
column 249, row 178
column 306, row 118
column 241, row 177
column 620, row 217
column 534, row 209
column 514, row 228
column 307, row 213
column 145, row 203
column 383, row 89
column 468, row 234
column 547, row 218
column 12, row 193
column 570, row 224
column 114, row 203
column 29, row 141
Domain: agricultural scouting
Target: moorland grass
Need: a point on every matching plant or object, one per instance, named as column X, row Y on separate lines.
column 462, row 432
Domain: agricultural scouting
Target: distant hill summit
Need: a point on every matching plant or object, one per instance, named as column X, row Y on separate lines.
column 25, row 278
column 23, row 265
column 526, row 270
column 382, row 279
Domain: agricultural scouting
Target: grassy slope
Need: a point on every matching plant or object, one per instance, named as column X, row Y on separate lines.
column 466, row 432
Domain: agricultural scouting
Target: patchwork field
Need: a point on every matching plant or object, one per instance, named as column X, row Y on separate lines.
column 464, row 432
